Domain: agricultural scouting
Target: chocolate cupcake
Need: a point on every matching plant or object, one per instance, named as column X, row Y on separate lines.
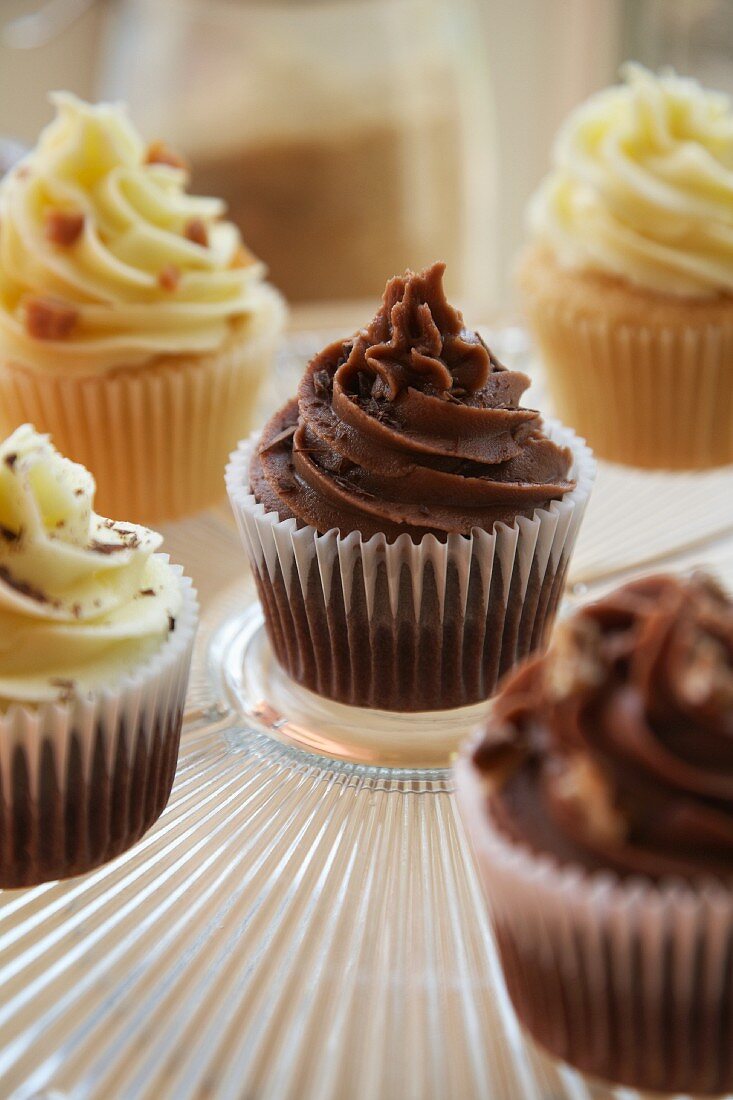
column 96, row 635
column 600, row 805
column 409, row 524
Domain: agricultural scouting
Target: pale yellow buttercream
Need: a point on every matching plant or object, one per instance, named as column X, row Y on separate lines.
column 83, row 600
column 642, row 186
column 138, row 286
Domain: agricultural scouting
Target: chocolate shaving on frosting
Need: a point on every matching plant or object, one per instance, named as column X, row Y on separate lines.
column 130, row 540
column 67, row 688
column 621, row 736
column 286, row 433
column 410, row 426
column 107, row 547
column 23, row 587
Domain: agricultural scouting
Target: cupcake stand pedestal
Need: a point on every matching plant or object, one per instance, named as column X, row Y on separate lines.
column 302, row 923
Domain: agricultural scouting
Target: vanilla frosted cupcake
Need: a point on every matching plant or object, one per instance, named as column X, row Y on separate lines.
column 96, row 632
column 134, row 325
column 629, row 282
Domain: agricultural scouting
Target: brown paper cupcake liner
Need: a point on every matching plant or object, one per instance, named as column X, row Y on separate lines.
column 80, row 782
column 156, row 438
column 645, row 396
column 408, row 626
column 627, row 980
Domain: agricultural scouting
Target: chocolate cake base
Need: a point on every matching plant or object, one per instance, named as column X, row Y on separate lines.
column 403, row 661
column 628, row 980
column 650, row 1040
column 72, row 816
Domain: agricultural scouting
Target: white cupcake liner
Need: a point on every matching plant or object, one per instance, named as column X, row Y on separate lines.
column 81, row 781
column 650, row 396
column 156, row 437
column 625, row 979
column 403, row 625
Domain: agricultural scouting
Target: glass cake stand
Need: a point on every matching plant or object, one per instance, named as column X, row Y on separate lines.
column 302, row 923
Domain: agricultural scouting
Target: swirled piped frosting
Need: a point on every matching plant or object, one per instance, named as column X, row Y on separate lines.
column 642, row 186
column 106, row 261
column 83, row 600
column 409, row 426
column 615, row 748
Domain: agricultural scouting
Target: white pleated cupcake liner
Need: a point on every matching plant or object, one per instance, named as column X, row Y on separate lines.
column 646, row 396
column 156, row 437
column 81, row 781
column 404, row 625
column 627, row 980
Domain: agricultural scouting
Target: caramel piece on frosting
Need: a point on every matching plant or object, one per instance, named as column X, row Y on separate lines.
column 49, row 318
column 196, row 232
column 169, row 277
column 63, row 227
column 160, row 153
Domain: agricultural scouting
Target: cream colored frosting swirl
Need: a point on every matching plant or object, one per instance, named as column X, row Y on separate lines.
column 149, row 269
column 83, row 600
column 642, row 186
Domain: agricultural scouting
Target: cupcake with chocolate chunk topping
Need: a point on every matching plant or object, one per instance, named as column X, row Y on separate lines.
column 96, row 633
column 600, row 805
column 134, row 325
column 408, row 521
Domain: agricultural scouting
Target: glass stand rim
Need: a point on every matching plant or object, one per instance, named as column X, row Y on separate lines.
column 247, row 676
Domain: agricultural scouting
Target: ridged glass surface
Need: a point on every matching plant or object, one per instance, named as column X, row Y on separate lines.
column 294, row 926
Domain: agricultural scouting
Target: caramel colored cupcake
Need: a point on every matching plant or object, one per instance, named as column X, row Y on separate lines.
column 599, row 800
column 628, row 285
column 96, row 635
column 134, row 325
column 408, row 521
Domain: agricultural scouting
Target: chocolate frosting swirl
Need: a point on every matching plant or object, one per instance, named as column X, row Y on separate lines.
column 615, row 749
column 410, row 426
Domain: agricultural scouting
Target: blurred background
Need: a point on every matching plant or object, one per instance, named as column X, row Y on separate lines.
column 352, row 138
